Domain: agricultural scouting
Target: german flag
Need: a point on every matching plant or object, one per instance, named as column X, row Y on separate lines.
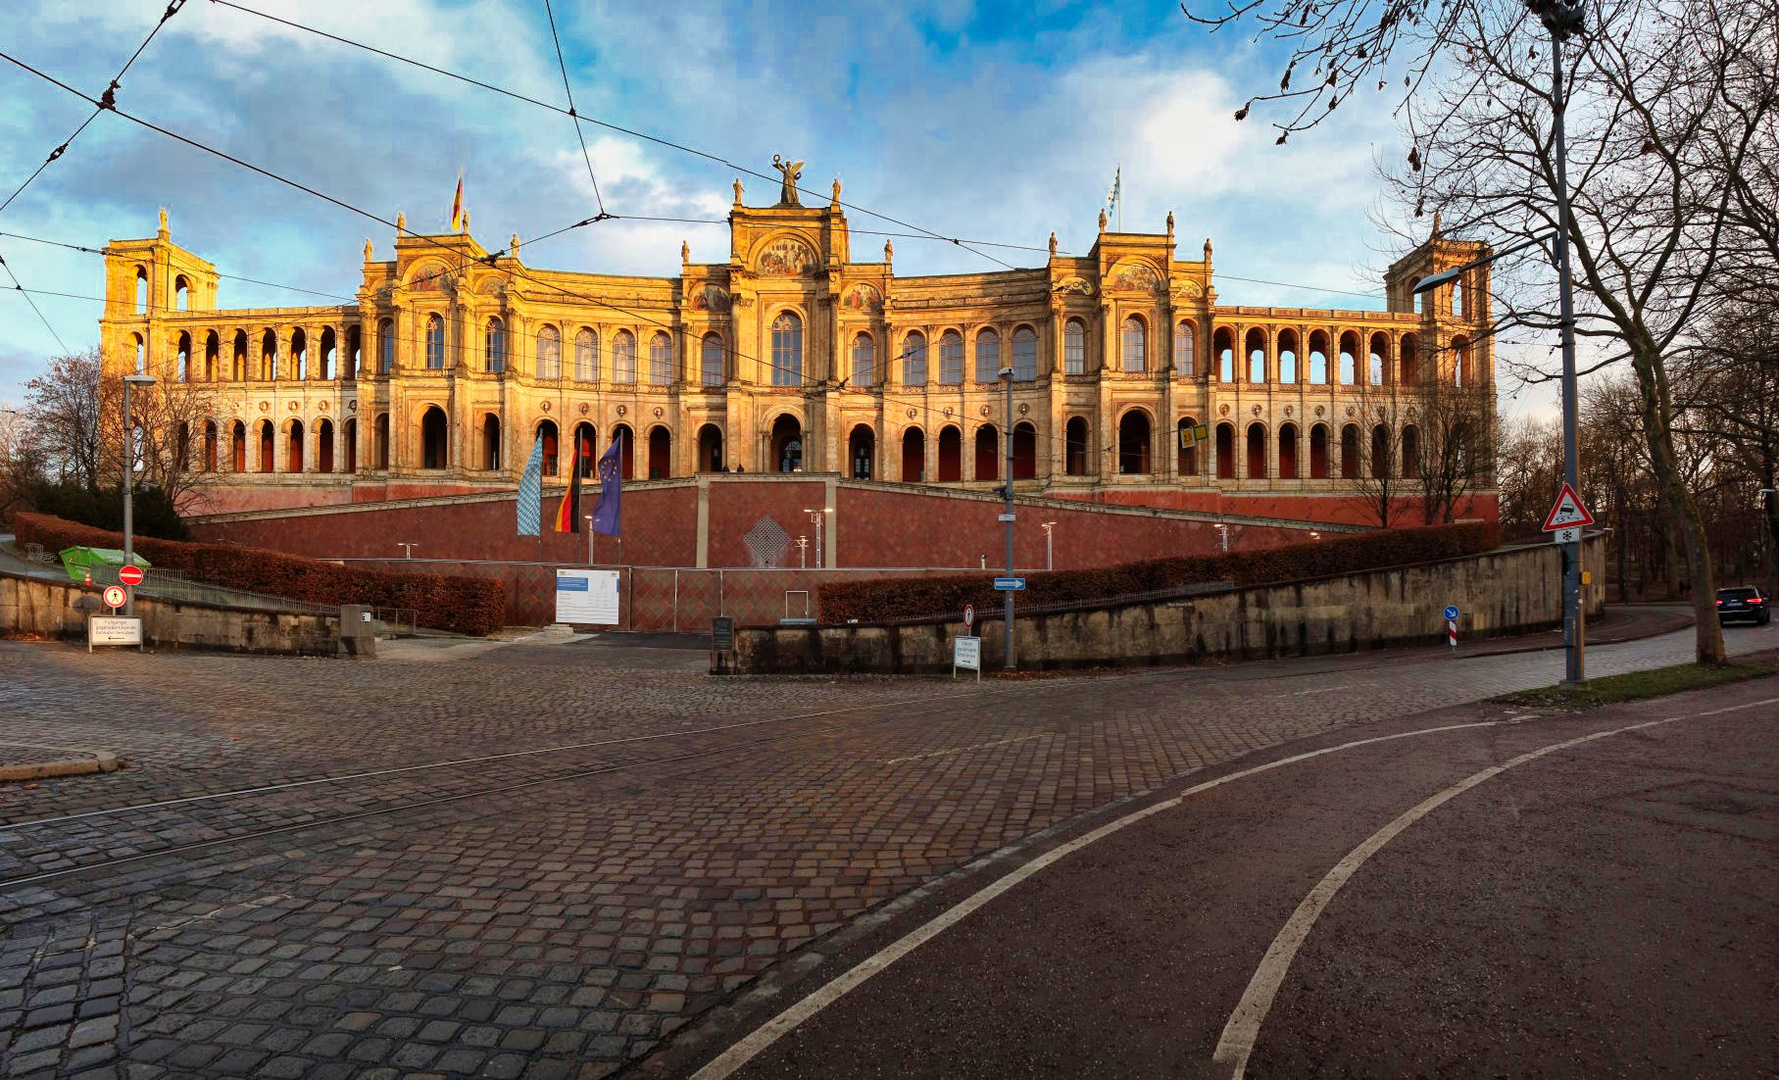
column 568, row 515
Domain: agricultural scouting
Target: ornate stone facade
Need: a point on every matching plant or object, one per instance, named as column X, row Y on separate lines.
column 789, row 355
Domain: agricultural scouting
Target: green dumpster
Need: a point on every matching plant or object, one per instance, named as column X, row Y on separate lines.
column 77, row 560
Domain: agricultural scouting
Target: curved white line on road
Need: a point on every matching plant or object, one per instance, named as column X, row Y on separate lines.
column 1244, row 1023
column 774, row 1029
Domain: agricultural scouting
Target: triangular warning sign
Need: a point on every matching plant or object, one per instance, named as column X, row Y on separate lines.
column 1568, row 513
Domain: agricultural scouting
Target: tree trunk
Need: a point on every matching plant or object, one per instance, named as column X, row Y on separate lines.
column 1652, row 388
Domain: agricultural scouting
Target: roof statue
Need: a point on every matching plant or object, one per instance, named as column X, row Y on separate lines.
column 515, row 242
column 367, row 249
column 163, row 223
column 792, row 171
column 401, row 222
column 738, row 191
column 1053, row 243
column 685, row 251
column 1102, row 219
column 1170, row 223
column 889, row 252
column 835, row 204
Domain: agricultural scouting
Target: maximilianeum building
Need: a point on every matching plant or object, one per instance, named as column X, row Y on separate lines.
column 792, row 355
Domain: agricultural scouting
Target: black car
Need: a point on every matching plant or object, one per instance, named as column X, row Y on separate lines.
column 1744, row 602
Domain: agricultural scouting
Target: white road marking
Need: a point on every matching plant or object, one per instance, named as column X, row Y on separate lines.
column 967, row 749
column 774, row 1029
column 1244, row 1023
column 1326, row 689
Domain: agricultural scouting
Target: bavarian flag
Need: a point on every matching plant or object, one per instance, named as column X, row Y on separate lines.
column 458, row 218
column 568, row 514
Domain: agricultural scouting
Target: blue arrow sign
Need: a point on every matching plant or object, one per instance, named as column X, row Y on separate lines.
column 1009, row 584
column 1451, row 611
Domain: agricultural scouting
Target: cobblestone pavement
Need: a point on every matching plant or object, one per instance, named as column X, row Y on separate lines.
column 561, row 913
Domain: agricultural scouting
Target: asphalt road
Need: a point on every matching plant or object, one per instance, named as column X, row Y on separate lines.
column 1605, row 908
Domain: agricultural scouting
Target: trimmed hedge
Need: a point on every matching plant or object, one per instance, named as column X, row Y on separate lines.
column 906, row 598
column 465, row 604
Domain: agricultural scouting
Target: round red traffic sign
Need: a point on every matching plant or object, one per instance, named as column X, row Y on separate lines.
column 130, row 575
column 114, row 597
column 969, row 615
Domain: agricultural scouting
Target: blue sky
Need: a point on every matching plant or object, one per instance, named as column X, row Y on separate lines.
column 982, row 121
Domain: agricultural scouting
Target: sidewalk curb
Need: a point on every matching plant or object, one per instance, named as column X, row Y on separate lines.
column 100, row 761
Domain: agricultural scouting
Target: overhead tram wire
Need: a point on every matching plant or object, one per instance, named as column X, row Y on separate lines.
column 490, row 259
column 226, row 277
column 105, row 101
column 578, row 133
column 580, row 119
column 26, row 293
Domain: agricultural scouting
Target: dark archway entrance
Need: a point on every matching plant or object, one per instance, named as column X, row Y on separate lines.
column 914, row 456
column 1319, row 452
column 861, row 450
column 1074, row 453
column 265, row 446
column 1225, row 452
column 951, row 454
column 1256, row 451
column 1349, row 452
column 787, row 445
column 710, row 448
column 660, row 453
column 491, row 442
column 1133, row 443
column 434, row 439
column 324, row 446
column 988, row 453
column 626, row 452
column 1025, row 451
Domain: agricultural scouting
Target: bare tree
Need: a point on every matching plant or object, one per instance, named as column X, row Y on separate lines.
column 1384, row 487
column 1658, row 126
column 66, row 410
column 1529, row 466
column 21, row 461
column 172, row 451
column 1449, row 454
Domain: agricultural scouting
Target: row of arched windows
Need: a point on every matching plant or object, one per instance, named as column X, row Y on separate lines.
column 1378, row 360
column 1385, row 456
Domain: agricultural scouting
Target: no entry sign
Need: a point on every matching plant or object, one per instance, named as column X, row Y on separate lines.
column 130, row 575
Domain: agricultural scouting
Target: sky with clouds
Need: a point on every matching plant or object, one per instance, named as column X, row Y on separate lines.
column 992, row 122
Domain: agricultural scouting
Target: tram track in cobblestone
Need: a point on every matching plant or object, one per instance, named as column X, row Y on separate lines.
column 580, row 771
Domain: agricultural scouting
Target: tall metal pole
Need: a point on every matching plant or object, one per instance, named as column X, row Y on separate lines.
column 1007, row 514
column 1574, row 628
column 129, row 502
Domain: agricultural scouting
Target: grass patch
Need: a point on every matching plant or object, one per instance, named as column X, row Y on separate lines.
column 1637, row 685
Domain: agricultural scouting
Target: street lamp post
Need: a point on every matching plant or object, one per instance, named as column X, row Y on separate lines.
column 130, row 483
column 1006, row 374
column 1563, row 19
column 589, row 518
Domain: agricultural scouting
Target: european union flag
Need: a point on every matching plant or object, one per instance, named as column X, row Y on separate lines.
column 606, row 512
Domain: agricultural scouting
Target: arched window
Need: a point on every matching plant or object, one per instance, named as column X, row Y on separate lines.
column 497, row 346
column 710, row 360
column 1379, row 359
column 988, row 356
column 181, row 293
column 1288, row 356
column 660, row 360
column 1318, row 357
column 268, row 357
column 141, row 289
column 1349, row 363
column 385, row 346
column 586, row 356
column 1185, row 349
column 1025, row 354
column 787, row 350
column 1256, row 451
column 1411, row 452
column 1457, row 299
column 1462, row 376
column 1074, row 348
column 1133, row 443
column 914, row 359
column 1256, row 350
column 184, row 351
column 951, row 358
column 1223, row 342
column 864, row 360
column 549, row 353
column 1380, row 453
column 1188, row 443
column 1408, row 360
column 624, row 357
column 299, row 354
column 1135, row 351
column 213, row 352
column 435, row 343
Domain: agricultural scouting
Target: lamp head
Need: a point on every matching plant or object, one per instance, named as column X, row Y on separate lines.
column 140, row 380
column 1005, row 373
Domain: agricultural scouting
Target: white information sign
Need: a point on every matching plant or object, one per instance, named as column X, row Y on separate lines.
column 1566, row 536
column 966, row 653
column 587, row 597
column 113, row 630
